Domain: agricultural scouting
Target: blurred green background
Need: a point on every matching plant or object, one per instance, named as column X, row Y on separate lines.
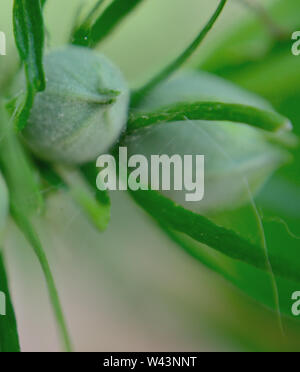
column 131, row 288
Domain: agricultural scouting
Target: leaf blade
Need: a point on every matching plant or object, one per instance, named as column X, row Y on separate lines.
column 201, row 229
column 29, row 36
column 210, row 111
column 106, row 23
column 24, row 199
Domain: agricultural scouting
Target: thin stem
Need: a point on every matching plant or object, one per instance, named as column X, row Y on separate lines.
column 269, row 266
column 175, row 65
column 33, row 239
column 212, row 111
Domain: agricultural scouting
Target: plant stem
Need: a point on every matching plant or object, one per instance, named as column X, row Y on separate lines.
column 269, row 267
column 25, row 226
column 175, row 65
column 211, row 111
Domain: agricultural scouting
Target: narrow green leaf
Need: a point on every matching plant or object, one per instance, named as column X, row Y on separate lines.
column 200, row 228
column 211, row 111
column 23, row 190
column 175, row 65
column 29, row 36
column 25, row 226
column 105, row 23
column 81, row 32
column 9, row 339
column 23, row 109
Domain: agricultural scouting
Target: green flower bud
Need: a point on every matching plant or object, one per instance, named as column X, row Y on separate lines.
column 237, row 157
column 83, row 109
column 3, row 204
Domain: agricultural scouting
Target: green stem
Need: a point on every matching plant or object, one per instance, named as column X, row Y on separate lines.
column 28, row 231
column 175, row 65
column 212, row 111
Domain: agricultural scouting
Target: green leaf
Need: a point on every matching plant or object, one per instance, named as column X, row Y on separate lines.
column 9, row 339
column 105, row 24
column 29, row 36
column 24, row 224
column 81, row 32
column 252, row 281
column 256, row 60
column 201, row 229
column 24, row 198
column 17, row 169
column 212, row 111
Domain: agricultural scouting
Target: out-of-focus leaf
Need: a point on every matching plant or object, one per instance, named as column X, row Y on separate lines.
column 256, row 59
column 106, row 22
column 17, row 169
column 24, row 195
column 25, row 225
column 9, row 339
column 29, row 36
